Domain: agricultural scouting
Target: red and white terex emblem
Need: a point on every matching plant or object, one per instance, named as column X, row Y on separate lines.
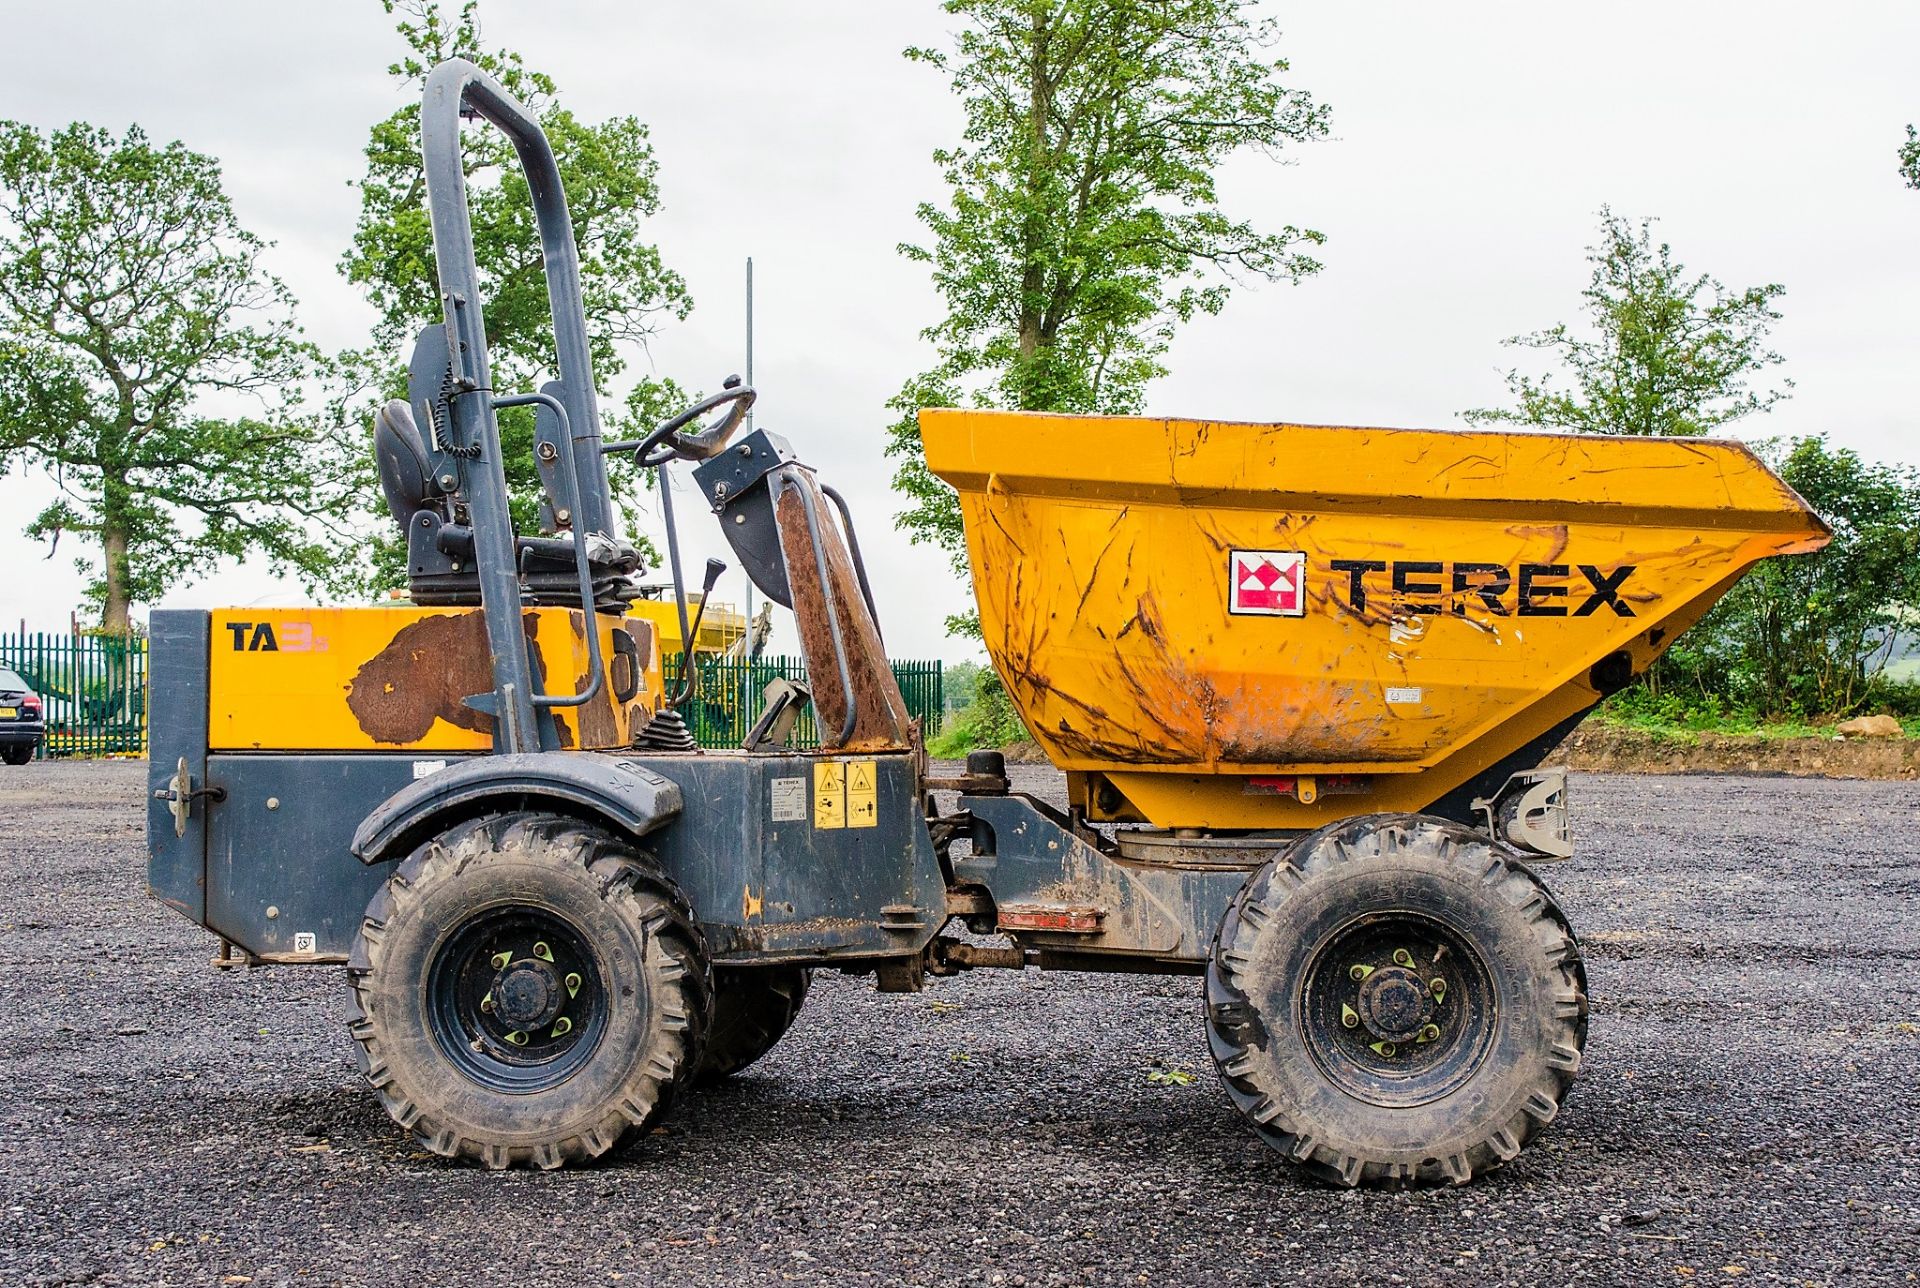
column 1269, row 583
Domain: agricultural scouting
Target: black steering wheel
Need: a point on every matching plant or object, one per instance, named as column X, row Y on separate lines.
column 667, row 443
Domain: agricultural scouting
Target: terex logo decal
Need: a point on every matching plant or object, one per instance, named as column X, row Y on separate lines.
column 259, row 637
column 1530, row 590
column 1270, row 583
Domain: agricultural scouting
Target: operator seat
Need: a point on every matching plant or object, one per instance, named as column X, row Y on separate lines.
column 440, row 553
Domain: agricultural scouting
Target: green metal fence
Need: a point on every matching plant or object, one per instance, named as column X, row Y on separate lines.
column 727, row 696
column 94, row 688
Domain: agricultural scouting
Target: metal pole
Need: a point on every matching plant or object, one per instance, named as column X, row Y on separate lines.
column 749, row 338
column 746, row 653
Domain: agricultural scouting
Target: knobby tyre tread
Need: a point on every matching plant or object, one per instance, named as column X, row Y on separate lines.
column 575, row 1124
column 753, row 1007
column 1261, row 1057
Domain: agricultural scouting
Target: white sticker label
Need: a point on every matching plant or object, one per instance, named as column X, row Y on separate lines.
column 1403, row 695
column 421, row 768
column 304, row 942
column 789, row 800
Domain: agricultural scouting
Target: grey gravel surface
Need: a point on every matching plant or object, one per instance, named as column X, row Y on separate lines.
column 1748, row 1111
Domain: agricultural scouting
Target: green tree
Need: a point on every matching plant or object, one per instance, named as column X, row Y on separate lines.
column 1910, row 158
column 612, row 184
column 988, row 717
column 1663, row 352
column 960, row 683
column 137, row 329
column 1807, row 636
column 1082, row 221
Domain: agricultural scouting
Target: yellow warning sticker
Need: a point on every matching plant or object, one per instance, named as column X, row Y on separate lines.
column 863, row 796
column 829, row 794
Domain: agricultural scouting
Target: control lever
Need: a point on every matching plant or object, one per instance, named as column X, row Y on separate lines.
column 714, row 569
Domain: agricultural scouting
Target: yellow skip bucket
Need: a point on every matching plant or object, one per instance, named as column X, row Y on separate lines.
column 1232, row 625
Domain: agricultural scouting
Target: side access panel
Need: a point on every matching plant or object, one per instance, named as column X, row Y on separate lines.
column 803, row 857
column 783, row 857
column 282, row 881
column 391, row 678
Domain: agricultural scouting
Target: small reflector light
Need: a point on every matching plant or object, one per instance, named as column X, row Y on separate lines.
column 1069, row 920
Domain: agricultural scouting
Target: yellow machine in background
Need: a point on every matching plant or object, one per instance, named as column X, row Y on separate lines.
column 721, row 625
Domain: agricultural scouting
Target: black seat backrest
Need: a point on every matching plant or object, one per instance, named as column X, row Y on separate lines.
column 404, row 475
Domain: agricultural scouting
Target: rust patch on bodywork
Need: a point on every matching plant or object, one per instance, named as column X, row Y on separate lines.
column 813, row 936
column 880, row 712
column 426, row 672
column 597, row 725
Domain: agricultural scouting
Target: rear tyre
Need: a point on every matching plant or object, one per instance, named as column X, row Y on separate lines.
column 16, row 754
column 753, row 1007
column 528, row 991
column 1396, row 1000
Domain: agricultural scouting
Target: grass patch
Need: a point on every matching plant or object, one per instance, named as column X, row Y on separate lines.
column 1686, row 725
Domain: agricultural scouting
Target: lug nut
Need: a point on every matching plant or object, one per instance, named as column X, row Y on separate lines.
column 1401, row 957
column 1360, row 972
column 1429, row 1034
column 1347, row 1017
column 573, row 984
column 500, row 960
column 543, row 952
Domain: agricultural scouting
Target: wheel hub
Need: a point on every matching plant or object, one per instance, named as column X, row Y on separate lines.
column 528, row 994
column 1391, row 1014
column 517, row 1000
column 1394, row 1004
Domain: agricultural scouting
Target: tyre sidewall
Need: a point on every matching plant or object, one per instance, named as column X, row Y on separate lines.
column 1437, row 871
column 427, row 912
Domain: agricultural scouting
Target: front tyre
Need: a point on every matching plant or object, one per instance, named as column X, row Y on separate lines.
column 529, row 990
column 1396, row 1000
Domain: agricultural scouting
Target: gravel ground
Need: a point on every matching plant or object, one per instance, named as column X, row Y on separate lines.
column 1748, row 1109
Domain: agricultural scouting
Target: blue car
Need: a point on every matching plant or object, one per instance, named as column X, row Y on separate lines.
column 23, row 720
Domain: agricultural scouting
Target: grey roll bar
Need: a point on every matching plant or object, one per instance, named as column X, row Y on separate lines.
column 457, row 88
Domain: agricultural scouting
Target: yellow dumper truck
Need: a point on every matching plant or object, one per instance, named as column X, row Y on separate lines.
column 1299, row 678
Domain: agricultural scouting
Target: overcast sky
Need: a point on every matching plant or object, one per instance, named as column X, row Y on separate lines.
column 1471, row 146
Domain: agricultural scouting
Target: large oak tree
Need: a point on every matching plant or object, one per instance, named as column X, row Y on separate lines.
column 152, row 368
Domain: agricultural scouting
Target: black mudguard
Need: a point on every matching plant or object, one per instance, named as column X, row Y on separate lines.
column 631, row 797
